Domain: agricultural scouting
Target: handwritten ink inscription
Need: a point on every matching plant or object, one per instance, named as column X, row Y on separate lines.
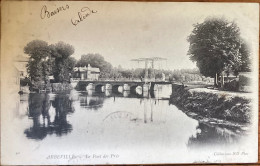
column 82, row 15
column 45, row 13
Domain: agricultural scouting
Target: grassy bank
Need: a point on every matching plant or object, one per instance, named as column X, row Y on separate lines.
column 212, row 107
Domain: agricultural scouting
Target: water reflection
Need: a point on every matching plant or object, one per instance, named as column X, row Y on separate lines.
column 212, row 135
column 59, row 114
column 91, row 100
column 21, row 107
column 48, row 116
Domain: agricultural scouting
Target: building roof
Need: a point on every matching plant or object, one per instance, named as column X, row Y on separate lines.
column 20, row 66
column 87, row 68
column 21, row 58
column 95, row 70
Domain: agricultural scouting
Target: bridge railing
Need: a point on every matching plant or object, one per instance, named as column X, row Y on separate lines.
column 119, row 79
column 122, row 80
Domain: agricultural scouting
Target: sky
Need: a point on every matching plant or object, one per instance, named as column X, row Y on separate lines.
column 120, row 31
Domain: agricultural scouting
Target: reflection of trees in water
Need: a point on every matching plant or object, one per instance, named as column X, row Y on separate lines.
column 63, row 106
column 212, row 135
column 39, row 106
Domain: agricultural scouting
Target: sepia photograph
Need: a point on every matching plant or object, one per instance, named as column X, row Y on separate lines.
column 92, row 82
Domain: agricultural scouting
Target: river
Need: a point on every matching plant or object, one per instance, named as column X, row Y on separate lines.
column 122, row 124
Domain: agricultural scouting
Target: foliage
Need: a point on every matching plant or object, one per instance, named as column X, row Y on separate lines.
column 181, row 75
column 38, row 70
column 46, row 60
column 63, row 63
column 96, row 60
column 211, row 106
column 138, row 73
column 25, row 82
column 37, row 50
column 215, row 45
column 245, row 59
column 232, row 85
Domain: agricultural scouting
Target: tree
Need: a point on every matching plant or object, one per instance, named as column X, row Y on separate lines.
column 63, row 63
column 96, row 60
column 37, row 67
column 245, row 65
column 215, row 46
column 46, row 60
column 126, row 73
column 138, row 73
column 37, row 49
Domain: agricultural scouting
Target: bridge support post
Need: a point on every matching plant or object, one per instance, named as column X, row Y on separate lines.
column 126, row 93
column 146, row 87
column 145, row 91
column 152, row 87
column 152, row 90
column 90, row 86
column 108, row 92
column 108, row 87
column 126, row 87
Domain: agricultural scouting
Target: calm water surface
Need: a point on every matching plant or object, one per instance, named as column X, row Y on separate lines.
column 88, row 121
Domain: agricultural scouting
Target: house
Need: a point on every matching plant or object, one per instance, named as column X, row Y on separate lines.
column 86, row 73
column 20, row 63
column 20, row 72
column 14, row 80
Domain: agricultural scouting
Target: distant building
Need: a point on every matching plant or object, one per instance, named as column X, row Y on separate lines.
column 14, row 83
column 20, row 63
column 19, row 73
column 86, row 73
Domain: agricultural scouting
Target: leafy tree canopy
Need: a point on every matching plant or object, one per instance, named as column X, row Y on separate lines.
column 63, row 63
column 215, row 45
column 37, row 49
column 96, row 60
column 245, row 58
column 37, row 67
column 62, row 50
column 46, row 60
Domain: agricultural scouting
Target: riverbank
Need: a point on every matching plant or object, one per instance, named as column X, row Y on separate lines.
column 213, row 106
column 59, row 87
column 51, row 87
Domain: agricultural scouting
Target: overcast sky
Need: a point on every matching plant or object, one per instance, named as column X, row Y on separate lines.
column 120, row 31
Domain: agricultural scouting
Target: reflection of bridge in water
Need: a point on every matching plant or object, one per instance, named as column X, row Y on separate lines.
column 100, row 86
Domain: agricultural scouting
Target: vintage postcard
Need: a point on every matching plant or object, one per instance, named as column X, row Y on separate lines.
column 128, row 82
